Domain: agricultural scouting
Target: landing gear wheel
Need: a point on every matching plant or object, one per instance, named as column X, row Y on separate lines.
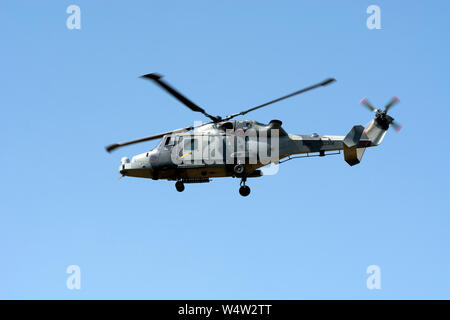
column 239, row 169
column 244, row 191
column 180, row 186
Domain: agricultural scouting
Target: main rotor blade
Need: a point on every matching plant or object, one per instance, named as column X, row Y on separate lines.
column 391, row 103
column 158, row 136
column 323, row 83
column 122, row 144
column 188, row 103
column 366, row 103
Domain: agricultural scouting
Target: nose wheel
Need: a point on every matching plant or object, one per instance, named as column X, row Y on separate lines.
column 179, row 185
column 244, row 190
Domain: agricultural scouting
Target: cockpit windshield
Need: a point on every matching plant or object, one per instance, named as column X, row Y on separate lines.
column 159, row 145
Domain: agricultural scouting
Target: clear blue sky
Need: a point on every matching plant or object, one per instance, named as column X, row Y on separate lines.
column 309, row 231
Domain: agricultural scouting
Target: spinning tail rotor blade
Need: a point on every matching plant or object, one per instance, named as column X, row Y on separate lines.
column 368, row 105
column 391, row 103
column 177, row 95
column 396, row 126
column 381, row 115
column 321, row 84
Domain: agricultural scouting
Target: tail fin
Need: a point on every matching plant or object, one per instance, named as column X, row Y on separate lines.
column 359, row 138
column 375, row 132
column 355, row 143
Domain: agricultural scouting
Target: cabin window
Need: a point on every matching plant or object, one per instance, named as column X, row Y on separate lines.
column 169, row 143
column 191, row 144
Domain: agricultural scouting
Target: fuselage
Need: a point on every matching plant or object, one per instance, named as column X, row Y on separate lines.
column 213, row 151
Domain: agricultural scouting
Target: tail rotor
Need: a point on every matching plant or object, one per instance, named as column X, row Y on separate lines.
column 381, row 116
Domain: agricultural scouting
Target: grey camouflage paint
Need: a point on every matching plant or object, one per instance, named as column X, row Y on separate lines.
column 158, row 164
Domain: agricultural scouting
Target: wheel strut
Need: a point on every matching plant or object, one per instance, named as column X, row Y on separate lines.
column 244, row 190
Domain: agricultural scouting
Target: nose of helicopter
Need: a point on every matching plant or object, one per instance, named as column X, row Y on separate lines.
column 136, row 168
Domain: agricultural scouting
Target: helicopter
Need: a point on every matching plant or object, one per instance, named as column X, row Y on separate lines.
column 223, row 147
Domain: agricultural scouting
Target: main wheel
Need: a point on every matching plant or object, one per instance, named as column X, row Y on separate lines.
column 180, row 186
column 244, row 191
column 239, row 169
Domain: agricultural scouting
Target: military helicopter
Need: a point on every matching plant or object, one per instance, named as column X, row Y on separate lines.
column 224, row 147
